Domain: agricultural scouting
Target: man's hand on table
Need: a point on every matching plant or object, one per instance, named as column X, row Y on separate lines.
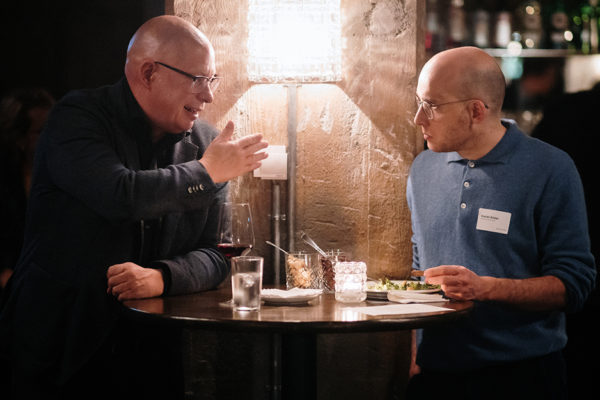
column 541, row 293
column 457, row 282
column 130, row 281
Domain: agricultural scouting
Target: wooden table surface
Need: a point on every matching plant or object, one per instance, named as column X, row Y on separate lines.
column 322, row 315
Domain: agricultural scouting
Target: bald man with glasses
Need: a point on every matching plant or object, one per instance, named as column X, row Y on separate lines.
column 498, row 218
column 126, row 190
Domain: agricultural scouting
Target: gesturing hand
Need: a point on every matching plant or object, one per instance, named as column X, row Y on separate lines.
column 225, row 159
column 130, row 281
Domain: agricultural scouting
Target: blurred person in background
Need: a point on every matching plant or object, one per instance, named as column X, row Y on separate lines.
column 23, row 113
column 570, row 122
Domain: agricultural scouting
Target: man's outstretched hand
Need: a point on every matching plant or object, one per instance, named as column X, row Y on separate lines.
column 225, row 159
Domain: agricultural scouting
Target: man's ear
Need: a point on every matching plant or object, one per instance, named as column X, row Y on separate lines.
column 478, row 110
column 147, row 70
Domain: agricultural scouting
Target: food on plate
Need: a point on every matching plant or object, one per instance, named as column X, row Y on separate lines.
column 386, row 284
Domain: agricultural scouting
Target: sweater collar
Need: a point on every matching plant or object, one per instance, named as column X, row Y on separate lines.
column 502, row 152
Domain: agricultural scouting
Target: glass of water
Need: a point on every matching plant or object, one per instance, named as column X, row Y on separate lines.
column 246, row 282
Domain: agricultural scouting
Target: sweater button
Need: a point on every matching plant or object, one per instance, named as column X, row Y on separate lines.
column 471, row 164
column 463, row 205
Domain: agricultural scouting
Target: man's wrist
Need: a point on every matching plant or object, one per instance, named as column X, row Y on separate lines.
column 165, row 276
column 487, row 288
column 209, row 169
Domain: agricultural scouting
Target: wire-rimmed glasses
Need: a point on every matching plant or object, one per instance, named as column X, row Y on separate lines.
column 428, row 106
column 198, row 81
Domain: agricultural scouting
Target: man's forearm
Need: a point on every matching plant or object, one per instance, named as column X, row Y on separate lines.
column 544, row 293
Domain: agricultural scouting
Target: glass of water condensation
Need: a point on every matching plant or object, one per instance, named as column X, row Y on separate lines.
column 246, row 282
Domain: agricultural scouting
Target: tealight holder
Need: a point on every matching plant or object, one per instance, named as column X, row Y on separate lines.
column 350, row 281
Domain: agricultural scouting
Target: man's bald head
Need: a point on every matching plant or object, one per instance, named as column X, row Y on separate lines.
column 467, row 72
column 163, row 59
column 166, row 38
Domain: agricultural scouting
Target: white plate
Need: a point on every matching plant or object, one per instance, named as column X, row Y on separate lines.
column 409, row 296
column 374, row 294
column 287, row 297
column 377, row 295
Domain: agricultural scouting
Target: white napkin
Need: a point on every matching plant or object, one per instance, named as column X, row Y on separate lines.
column 405, row 296
column 294, row 292
column 399, row 309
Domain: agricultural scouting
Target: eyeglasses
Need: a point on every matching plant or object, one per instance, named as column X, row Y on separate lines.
column 428, row 106
column 198, row 81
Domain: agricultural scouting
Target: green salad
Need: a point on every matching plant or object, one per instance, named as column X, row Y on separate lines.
column 386, row 284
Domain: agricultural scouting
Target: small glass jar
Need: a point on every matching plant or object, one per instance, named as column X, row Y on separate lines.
column 327, row 264
column 302, row 270
column 350, row 281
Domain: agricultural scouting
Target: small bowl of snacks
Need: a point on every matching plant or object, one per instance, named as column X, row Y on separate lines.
column 302, row 270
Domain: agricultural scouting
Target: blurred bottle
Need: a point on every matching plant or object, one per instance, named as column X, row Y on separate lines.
column 576, row 25
column 594, row 28
column 530, row 15
column 586, row 34
column 434, row 36
column 503, row 31
column 589, row 11
column 558, row 32
column 481, row 28
column 457, row 24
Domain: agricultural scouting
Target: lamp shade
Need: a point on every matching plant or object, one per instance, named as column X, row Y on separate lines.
column 294, row 41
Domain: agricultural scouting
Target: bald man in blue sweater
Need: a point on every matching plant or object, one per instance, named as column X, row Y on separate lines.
column 498, row 218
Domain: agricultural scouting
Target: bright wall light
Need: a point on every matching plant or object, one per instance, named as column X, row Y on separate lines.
column 294, row 41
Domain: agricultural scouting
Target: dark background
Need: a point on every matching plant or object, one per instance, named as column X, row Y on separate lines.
column 62, row 45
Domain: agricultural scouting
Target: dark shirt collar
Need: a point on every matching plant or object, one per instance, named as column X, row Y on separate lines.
column 137, row 125
column 136, row 120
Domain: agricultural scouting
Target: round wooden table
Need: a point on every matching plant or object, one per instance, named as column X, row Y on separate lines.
column 296, row 326
column 321, row 315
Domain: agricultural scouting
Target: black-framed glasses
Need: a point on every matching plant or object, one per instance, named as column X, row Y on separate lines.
column 428, row 106
column 198, row 81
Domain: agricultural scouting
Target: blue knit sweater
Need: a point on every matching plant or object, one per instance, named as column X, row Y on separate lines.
column 538, row 187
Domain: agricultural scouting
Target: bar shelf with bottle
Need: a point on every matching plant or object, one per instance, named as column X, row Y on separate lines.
column 545, row 47
column 531, row 53
column 562, row 27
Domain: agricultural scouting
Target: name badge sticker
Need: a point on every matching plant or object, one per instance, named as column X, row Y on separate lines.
column 493, row 221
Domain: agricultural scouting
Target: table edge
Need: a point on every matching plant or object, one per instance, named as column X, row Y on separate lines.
column 385, row 323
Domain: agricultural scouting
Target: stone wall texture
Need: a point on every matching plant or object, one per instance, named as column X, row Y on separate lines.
column 355, row 139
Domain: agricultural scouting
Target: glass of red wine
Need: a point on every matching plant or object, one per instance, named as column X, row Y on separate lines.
column 235, row 232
